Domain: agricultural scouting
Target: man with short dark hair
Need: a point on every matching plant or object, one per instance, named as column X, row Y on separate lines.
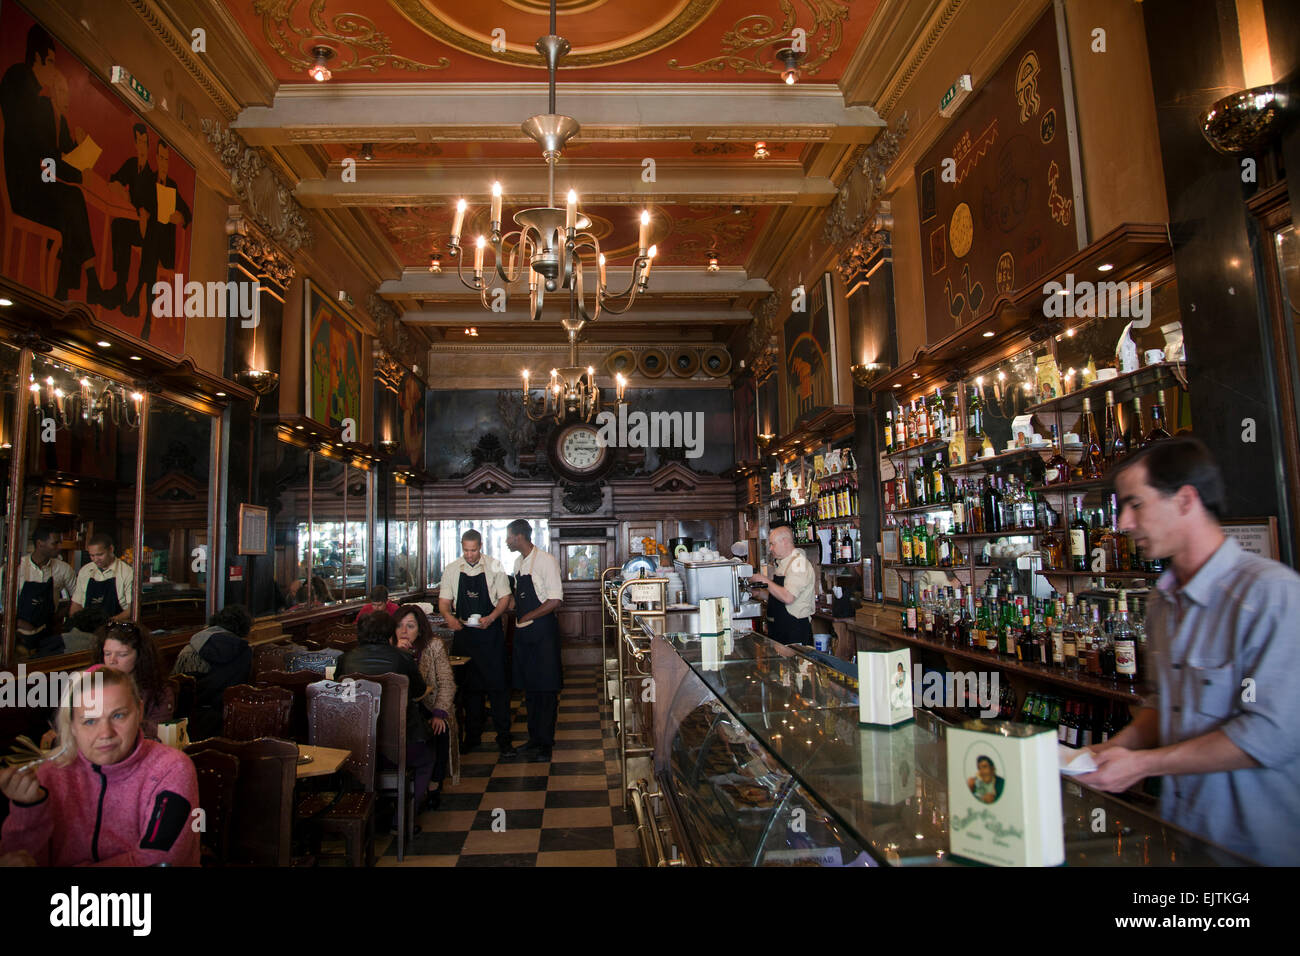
column 44, row 581
column 106, row 582
column 475, row 588
column 160, row 237
column 217, row 657
column 1221, row 626
column 378, row 602
column 538, row 591
column 141, row 182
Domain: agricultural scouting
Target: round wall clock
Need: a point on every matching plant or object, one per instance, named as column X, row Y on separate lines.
column 576, row 452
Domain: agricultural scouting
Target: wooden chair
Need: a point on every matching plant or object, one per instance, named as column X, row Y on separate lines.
column 313, row 660
column 273, row 657
column 342, row 637
column 397, row 778
column 218, row 774
column 262, row 822
column 346, row 715
column 185, row 688
column 295, row 683
column 249, row 712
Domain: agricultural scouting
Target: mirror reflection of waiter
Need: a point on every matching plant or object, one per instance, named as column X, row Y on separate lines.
column 105, row 583
column 477, row 584
column 790, row 590
column 44, row 580
column 538, row 592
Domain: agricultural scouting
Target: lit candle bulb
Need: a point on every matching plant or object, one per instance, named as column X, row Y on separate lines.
column 645, row 230
column 478, row 255
column 601, row 262
column 525, row 384
column 621, row 384
column 459, row 221
column 571, row 211
column 496, row 203
column 645, row 276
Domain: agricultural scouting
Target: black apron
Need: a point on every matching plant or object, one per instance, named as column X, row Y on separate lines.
column 36, row 607
column 484, row 646
column 537, row 646
column 103, row 595
column 783, row 626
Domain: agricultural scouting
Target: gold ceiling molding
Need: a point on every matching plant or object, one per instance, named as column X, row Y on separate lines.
column 760, row 346
column 691, row 14
column 896, row 90
column 262, row 192
column 743, row 45
column 357, row 44
column 857, row 199
column 181, row 49
column 269, row 264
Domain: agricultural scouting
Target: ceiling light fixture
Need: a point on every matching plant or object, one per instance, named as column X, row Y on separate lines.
column 472, row 331
column 1105, row 267
column 760, row 151
column 791, row 59
column 368, row 152
column 713, row 260
column 318, row 70
column 435, row 263
column 5, row 303
column 103, row 344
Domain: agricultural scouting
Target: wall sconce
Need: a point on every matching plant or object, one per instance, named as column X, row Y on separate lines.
column 388, row 446
column 1246, row 120
column 260, row 381
column 866, row 373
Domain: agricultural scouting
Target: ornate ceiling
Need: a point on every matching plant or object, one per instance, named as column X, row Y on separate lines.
column 672, row 96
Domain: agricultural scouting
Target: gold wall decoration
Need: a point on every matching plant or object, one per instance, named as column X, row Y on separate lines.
column 753, row 40
column 262, row 192
column 356, row 41
column 691, row 14
column 859, row 219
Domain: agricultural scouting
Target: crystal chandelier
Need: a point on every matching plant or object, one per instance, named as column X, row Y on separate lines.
column 551, row 243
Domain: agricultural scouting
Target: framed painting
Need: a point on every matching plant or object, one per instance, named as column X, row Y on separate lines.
column 333, row 360
column 809, row 367
column 117, row 217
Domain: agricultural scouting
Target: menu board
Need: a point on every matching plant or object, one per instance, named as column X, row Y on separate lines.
column 997, row 190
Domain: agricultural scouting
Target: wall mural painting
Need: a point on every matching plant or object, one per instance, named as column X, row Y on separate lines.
column 809, row 338
column 334, row 361
column 96, row 207
column 996, row 191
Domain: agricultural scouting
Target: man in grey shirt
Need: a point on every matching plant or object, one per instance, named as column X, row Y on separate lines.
column 1223, row 628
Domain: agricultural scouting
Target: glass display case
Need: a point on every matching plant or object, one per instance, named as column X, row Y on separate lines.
column 765, row 764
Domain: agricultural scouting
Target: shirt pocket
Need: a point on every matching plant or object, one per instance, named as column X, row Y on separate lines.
column 1212, row 691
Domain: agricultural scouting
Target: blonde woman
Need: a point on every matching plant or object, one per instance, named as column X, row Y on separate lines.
column 109, row 796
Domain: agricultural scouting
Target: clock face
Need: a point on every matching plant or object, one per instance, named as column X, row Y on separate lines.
column 580, row 450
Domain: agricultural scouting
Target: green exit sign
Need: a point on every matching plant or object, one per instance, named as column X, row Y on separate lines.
column 955, row 95
column 121, row 77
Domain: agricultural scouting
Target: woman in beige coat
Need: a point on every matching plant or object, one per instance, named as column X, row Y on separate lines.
column 415, row 636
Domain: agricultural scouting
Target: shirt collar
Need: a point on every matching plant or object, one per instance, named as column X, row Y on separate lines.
column 1204, row 583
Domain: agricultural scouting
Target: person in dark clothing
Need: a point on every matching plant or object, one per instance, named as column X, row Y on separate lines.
column 160, row 239
column 33, row 133
column 376, row 653
column 140, row 181
column 218, row 657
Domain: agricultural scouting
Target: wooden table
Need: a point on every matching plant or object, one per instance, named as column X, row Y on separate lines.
column 325, row 760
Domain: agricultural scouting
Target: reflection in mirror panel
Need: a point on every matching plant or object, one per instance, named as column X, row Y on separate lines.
column 9, row 394
column 328, row 534
column 443, row 542
column 289, row 511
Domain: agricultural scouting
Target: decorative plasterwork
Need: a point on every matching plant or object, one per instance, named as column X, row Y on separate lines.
column 268, row 264
column 673, row 477
column 488, row 480
column 590, row 133
column 859, row 220
column 690, row 16
column 753, row 40
column 357, row 44
column 761, row 343
column 920, row 53
column 394, row 345
column 180, row 47
column 264, row 195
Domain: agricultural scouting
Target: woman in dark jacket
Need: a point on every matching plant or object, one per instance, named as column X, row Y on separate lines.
column 218, row 657
column 376, row 653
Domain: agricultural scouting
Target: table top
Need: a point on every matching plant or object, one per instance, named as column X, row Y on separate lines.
column 457, row 660
column 324, row 760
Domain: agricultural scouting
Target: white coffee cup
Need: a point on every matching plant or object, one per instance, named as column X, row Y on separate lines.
column 1153, row 356
column 474, row 619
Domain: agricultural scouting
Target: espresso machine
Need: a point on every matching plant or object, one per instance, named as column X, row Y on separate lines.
column 724, row 578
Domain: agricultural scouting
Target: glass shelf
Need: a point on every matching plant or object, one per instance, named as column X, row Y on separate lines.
column 1156, row 377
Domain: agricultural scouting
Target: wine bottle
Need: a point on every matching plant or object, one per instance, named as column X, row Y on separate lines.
column 1158, row 432
column 1092, row 463
column 1115, row 447
column 1078, row 538
column 1125, row 643
column 889, row 432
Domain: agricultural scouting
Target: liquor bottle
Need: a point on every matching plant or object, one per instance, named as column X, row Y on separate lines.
column 889, row 432
column 1125, row 643
column 1042, row 636
column 918, row 487
column 1063, row 722
column 1157, row 432
column 1053, row 551
column 1070, row 635
column 920, row 545
column 1133, row 433
column 900, row 428
column 1115, row 447
column 1106, row 649
column 922, row 422
column 983, row 625
column 1090, row 651
column 905, row 543
column 1092, row 463
column 910, row 624
column 959, row 508
column 939, row 490
column 1103, row 544
column 1025, row 639
column 943, row 548
column 1120, row 559
column 1057, row 470
column 975, row 509
column 1056, row 630
column 975, row 417
column 937, row 424
column 992, row 516
column 846, row 548
column 1027, row 710
column 1078, row 538
column 962, row 630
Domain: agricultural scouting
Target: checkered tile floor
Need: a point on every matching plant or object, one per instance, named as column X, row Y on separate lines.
column 565, row 812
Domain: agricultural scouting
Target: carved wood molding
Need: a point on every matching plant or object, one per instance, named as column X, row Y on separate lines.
column 859, row 220
column 488, row 480
column 263, row 193
column 673, row 477
column 249, row 247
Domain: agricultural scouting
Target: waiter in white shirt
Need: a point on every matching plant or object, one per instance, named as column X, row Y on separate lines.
column 791, row 590
column 44, row 581
column 476, row 584
column 105, row 583
column 538, row 592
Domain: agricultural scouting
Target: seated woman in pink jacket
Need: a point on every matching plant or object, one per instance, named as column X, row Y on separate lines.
column 109, row 797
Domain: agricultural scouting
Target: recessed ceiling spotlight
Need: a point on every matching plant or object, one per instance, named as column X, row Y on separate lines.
column 136, row 358
column 736, row 210
column 916, row 375
column 5, row 303
column 760, row 150
column 1105, row 267
column 368, row 152
column 221, row 394
column 103, row 345
column 318, row 70
column 988, row 335
column 898, row 385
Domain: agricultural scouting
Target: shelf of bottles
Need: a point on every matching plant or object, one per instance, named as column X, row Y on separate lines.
column 820, row 497
column 1011, row 462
